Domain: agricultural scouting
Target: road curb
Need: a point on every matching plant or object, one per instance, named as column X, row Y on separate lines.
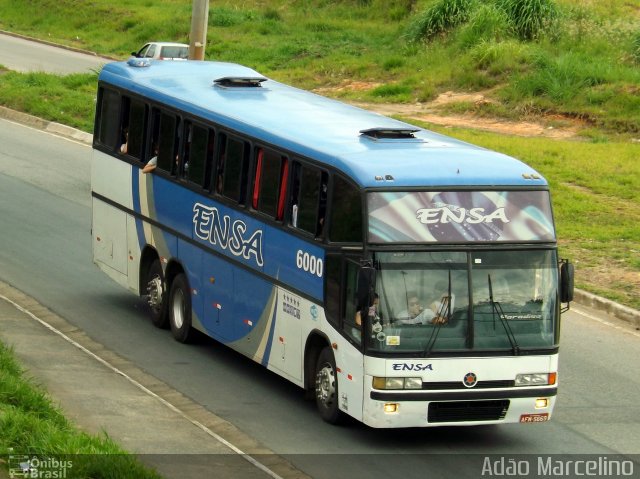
column 584, row 298
column 619, row 311
column 49, row 126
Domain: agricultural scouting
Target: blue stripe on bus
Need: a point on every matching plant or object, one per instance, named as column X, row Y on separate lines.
column 267, row 352
column 236, row 235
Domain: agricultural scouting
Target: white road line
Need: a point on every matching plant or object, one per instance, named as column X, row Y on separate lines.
column 605, row 322
column 198, row 424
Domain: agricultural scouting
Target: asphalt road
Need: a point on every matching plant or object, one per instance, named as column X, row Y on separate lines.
column 45, row 251
column 26, row 56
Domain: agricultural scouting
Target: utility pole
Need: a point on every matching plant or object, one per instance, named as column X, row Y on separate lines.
column 198, row 35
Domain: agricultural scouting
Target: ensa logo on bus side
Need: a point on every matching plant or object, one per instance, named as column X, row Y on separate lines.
column 211, row 226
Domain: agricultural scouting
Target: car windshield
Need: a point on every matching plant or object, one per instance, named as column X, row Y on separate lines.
column 432, row 302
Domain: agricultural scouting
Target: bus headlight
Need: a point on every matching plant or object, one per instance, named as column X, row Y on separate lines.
column 536, row 379
column 397, row 383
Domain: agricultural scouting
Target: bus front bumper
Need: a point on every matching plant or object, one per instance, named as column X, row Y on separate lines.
column 393, row 409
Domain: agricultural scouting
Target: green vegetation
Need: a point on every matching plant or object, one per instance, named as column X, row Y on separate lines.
column 553, row 61
column 66, row 99
column 560, row 57
column 32, row 426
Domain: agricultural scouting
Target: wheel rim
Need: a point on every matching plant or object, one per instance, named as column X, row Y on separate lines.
column 178, row 309
column 326, row 386
column 154, row 288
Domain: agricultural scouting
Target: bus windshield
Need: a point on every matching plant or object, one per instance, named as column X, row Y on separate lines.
column 434, row 302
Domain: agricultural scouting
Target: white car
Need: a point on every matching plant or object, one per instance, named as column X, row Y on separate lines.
column 163, row 51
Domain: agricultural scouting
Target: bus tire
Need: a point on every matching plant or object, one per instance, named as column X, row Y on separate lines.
column 157, row 295
column 326, row 387
column 180, row 309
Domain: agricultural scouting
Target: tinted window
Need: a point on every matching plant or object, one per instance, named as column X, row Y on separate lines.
column 270, row 180
column 309, row 199
column 137, row 116
column 234, row 176
column 108, row 118
column 198, row 153
column 346, row 216
column 166, row 142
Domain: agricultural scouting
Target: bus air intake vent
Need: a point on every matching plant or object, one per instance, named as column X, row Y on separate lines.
column 389, row 133
column 239, row 82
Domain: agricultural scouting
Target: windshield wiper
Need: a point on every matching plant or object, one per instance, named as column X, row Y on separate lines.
column 497, row 309
column 444, row 308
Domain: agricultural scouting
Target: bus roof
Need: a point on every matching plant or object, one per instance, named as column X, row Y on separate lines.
column 393, row 154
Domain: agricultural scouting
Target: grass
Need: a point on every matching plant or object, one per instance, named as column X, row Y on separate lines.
column 33, row 427
column 559, row 56
column 541, row 59
column 66, row 99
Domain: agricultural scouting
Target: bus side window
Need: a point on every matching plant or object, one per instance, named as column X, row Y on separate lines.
column 346, row 220
column 198, row 155
column 183, row 155
column 108, row 118
column 235, row 170
column 134, row 115
column 221, row 155
column 269, row 183
column 351, row 307
column 167, row 142
column 308, row 199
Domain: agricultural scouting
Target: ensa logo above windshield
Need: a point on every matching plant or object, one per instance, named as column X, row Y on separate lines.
column 454, row 214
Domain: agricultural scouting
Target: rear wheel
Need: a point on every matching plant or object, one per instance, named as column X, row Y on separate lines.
column 156, row 295
column 327, row 387
column 180, row 309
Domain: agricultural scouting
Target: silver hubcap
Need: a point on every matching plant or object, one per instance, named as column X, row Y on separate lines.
column 326, row 385
column 178, row 309
column 155, row 291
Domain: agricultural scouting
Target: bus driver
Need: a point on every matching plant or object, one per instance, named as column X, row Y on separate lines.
column 417, row 314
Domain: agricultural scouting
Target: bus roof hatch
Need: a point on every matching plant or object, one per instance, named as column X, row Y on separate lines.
column 379, row 133
column 239, row 82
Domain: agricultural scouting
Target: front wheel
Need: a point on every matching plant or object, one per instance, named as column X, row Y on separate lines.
column 327, row 387
column 180, row 309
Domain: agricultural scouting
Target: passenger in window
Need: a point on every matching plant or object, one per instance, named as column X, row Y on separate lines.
column 152, row 164
column 124, row 147
column 373, row 312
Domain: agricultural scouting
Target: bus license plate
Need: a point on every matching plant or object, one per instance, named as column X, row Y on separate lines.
column 535, row 417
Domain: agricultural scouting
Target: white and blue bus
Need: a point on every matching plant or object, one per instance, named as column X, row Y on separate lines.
column 399, row 276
